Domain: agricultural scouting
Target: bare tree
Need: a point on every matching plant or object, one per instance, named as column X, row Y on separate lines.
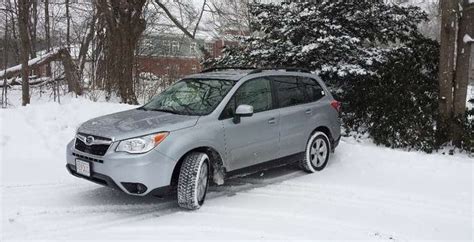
column 85, row 43
column 124, row 25
column 230, row 15
column 23, row 19
column 47, row 33
column 33, row 28
column 5, row 59
column 457, row 17
column 463, row 56
column 180, row 25
column 68, row 26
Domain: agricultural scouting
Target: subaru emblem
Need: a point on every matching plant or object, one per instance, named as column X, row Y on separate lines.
column 89, row 140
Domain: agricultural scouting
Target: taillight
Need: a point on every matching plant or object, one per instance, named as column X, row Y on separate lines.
column 336, row 105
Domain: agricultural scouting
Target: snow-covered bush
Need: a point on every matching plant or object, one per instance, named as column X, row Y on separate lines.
column 398, row 106
column 370, row 53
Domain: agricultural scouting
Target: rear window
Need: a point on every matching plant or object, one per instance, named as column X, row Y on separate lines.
column 313, row 90
column 290, row 91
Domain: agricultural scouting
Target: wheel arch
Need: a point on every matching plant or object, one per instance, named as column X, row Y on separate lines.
column 327, row 132
column 216, row 164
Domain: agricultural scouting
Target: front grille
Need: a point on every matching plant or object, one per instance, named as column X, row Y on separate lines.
column 94, row 149
column 87, row 158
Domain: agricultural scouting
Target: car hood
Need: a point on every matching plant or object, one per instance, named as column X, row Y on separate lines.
column 134, row 123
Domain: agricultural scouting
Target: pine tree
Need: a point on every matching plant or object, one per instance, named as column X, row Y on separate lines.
column 370, row 53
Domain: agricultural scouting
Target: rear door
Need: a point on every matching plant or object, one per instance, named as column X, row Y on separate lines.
column 255, row 139
column 294, row 114
column 314, row 96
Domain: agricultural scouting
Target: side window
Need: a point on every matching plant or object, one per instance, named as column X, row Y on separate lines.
column 256, row 92
column 313, row 90
column 290, row 91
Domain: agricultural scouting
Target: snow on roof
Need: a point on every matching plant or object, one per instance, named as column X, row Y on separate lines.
column 30, row 62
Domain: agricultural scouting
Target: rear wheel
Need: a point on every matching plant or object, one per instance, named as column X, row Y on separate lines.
column 193, row 180
column 317, row 153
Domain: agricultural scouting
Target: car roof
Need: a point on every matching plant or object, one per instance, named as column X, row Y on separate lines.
column 237, row 74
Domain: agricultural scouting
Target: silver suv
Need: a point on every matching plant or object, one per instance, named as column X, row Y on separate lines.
column 207, row 127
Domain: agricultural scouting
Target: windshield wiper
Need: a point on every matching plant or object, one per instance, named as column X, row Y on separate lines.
column 165, row 110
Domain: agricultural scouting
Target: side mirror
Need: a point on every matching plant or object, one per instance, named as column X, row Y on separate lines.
column 242, row 110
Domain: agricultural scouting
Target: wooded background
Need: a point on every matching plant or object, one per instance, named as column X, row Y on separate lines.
column 46, row 44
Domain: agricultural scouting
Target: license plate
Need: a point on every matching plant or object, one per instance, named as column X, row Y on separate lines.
column 83, row 167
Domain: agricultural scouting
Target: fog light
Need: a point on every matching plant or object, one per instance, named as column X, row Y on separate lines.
column 135, row 188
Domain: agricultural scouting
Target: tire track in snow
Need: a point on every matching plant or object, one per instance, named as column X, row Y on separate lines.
column 378, row 196
column 394, row 204
column 93, row 215
column 305, row 223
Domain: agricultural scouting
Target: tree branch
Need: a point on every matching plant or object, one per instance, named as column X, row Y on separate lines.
column 199, row 19
column 182, row 28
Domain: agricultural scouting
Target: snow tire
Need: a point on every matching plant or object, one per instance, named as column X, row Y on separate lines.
column 191, row 178
column 307, row 164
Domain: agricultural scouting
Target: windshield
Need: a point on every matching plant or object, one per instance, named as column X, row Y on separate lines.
column 190, row 97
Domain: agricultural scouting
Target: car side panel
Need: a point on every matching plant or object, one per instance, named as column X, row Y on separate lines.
column 252, row 141
column 293, row 129
column 324, row 115
column 208, row 132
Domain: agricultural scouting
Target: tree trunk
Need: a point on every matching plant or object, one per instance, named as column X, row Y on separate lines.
column 83, row 51
column 34, row 32
column 23, row 17
column 447, row 65
column 5, row 59
column 70, row 72
column 124, row 25
column 466, row 27
column 457, row 17
column 32, row 28
column 68, row 27
column 16, row 57
column 47, row 34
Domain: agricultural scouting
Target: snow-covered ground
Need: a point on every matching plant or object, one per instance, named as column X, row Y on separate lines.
column 366, row 192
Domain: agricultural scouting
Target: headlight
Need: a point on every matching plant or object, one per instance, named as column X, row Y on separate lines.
column 141, row 144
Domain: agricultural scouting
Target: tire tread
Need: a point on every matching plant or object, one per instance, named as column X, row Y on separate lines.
column 188, row 176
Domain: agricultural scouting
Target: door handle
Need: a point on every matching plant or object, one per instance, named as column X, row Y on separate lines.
column 308, row 111
column 272, row 121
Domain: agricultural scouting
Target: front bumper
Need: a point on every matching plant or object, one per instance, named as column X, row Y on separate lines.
column 117, row 169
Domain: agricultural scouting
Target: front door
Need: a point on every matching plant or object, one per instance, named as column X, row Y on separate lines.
column 254, row 139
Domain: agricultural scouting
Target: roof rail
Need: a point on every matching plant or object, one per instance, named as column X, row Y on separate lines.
column 228, row 68
column 295, row 69
column 256, row 70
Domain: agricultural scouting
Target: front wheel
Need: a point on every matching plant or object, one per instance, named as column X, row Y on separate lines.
column 193, row 180
column 317, row 153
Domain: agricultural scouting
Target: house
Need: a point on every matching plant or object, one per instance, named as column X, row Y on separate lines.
column 169, row 55
column 173, row 55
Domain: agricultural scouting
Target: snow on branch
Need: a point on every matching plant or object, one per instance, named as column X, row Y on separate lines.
column 35, row 62
column 468, row 39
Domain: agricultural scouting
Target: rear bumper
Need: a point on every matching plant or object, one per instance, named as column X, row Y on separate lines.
column 118, row 170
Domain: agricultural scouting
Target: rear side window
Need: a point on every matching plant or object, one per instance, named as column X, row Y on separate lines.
column 256, row 92
column 313, row 90
column 290, row 91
